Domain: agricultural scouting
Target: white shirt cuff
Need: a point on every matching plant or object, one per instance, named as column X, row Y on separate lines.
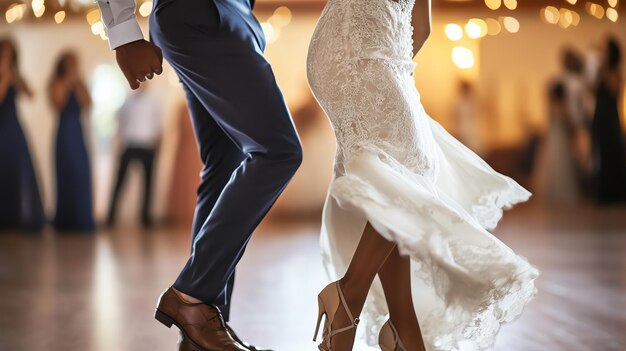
column 124, row 33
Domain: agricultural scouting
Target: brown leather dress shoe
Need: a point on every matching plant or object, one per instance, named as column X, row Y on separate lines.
column 201, row 325
column 243, row 343
column 183, row 345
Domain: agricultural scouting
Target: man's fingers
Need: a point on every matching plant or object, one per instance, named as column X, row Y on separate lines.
column 134, row 84
column 132, row 81
column 159, row 53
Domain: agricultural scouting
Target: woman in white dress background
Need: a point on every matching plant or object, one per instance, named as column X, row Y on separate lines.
column 408, row 202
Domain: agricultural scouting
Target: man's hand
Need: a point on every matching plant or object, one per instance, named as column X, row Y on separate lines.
column 139, row 60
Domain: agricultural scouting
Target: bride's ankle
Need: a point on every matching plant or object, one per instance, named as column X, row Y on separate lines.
column 354, row 294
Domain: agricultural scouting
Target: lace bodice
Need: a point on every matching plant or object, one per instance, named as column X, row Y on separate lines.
column 360, row 68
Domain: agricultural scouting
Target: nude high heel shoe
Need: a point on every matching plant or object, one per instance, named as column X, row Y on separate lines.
column 388, row 339
column 328, row 301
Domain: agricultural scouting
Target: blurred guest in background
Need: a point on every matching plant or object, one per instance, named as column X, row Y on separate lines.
column 69, row 97
column 608, row 143
column 556, row 178
column 20, row 202
column 577, row 100
column 465, row 115
column 139, row 131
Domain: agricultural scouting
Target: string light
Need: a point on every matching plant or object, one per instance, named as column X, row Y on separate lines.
column 281, row 17
column 93, row 16
column 271, row 33
column 511, row 24
column 566, row 18
column 493, row 26
column 59, row 17
column 612, row 14
column 454, row 32
column 594, row 10
column 493, row 4
column 145, row 8
column 462, row 57
column 510, row 4
column 550, row 14
column 15, row 12
column 476, row 28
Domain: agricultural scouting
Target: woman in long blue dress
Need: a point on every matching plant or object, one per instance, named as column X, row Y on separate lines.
column 20, row 201
column 69, row 96
column 607, row 131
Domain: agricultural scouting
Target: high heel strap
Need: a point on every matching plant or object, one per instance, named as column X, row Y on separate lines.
column 397, row 342
column 355, row 321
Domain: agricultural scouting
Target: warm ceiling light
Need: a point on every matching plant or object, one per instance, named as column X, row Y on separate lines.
column 281, row 17
column 476, row 28
column 15, row 12
column 510, row 4
column 611, row 14
column 39, row 11
column 550, row 14
column 145, row 8
column 271, row 33
column 97, row 28
column 493, row 4
column 575, row 18
column 59, row 17
column 93, row 16
column 454, row 32
column 511, row 24
column 566, row 18
column 595, row 10
column 472, row 30
column 462, row 57
column 493, row 26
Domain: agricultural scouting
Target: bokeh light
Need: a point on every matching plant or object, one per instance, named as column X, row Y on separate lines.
column 145, row 8
column 550, row 14
column 510, row 4
column 281, row 17
column 493, row 4
column 493, row 26
column 454, row 32
column 462, row 57
column 510, row 24
column 59, row 17
column 612, row 14
column 472, row 24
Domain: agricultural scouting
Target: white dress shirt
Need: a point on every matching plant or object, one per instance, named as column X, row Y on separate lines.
column 140, row 120
column 120, row 23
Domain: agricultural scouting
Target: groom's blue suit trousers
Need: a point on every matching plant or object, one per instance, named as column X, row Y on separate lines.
column 247, row 140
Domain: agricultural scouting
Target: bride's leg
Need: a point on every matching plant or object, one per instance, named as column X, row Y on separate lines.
column 395, row 275
column 368, row 258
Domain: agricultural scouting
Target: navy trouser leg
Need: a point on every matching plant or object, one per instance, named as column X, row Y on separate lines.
column 220, row 157
column 215, row 47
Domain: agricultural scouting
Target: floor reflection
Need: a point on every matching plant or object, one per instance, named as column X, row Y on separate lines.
column 76, row 292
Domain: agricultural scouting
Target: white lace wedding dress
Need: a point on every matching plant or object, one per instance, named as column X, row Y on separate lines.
column 417, row 185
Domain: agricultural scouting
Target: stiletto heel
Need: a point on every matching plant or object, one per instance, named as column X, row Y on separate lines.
column 163, row 318
column 388, row 339
column 321, row 312
column 328, row 302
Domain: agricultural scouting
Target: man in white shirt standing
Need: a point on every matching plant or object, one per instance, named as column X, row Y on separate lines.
column 139, row 127
column 247, row 142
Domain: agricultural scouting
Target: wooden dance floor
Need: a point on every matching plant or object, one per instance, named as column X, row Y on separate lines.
column 97, row 293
